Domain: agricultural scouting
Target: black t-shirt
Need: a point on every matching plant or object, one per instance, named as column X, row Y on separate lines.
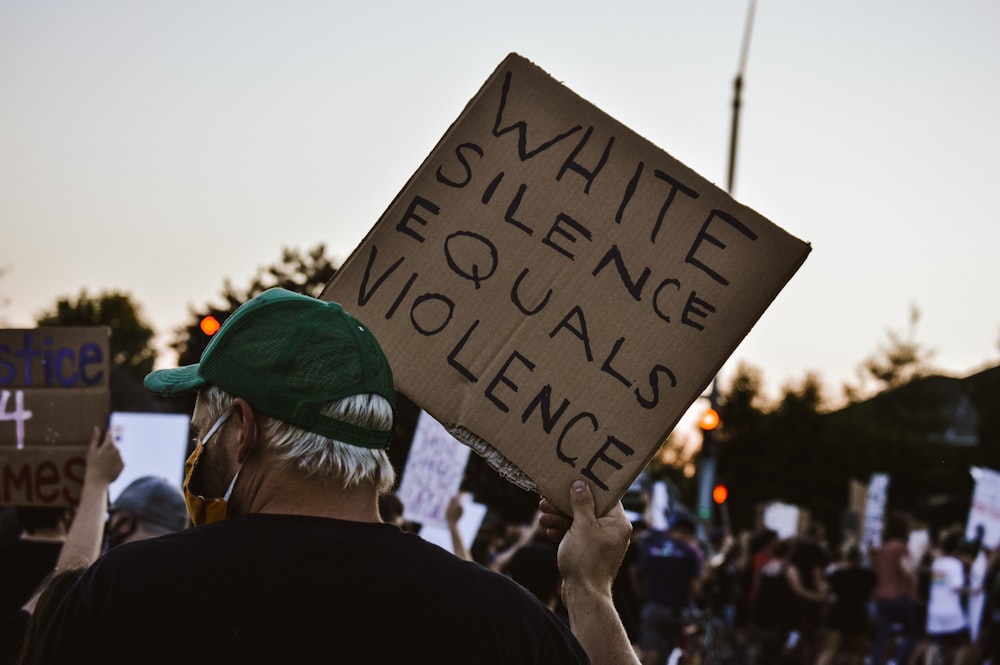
column 290, row 589
column 851, row 588
column 24, row 564
column 808, row 557
column 774, row 607
column 535, row 567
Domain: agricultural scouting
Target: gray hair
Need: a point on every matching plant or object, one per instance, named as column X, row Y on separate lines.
column 314, row 454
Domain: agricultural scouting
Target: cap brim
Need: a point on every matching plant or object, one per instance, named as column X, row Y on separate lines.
column 173, row 382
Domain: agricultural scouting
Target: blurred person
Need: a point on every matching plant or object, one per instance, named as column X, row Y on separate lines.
column 81, row 546
column 810, row 555
column 29, row 557
column 533, row 564
column 45, row 604
column 850, row 584
column 625, row 589
column 989, row 634
column 669, row 572
column 289, row 560
column 390, row 509
column 147, row 508
column 976, row 559
column 452, row 514
column 777, row 606
column 947, row 622
column 761, row 545
column 895, row 588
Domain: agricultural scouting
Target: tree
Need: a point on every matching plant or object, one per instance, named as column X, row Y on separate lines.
column 894, row 364
column 130, row 334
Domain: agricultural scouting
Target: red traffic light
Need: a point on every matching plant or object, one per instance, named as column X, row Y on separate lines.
column 709, row 420
column 720, row 493
column 209, row 325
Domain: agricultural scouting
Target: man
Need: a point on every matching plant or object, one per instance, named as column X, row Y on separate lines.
column 669, row 572
column 149, row 507
column 294, row 412
column 810, row 556
column 895, row 604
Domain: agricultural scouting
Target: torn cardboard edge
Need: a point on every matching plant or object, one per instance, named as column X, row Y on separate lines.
column 503, row 466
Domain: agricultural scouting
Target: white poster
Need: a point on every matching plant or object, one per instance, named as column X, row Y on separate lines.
column 878, row 495
column 985, row 508
column 468, row 526
column 433, row 473
column 659, row 505
column 151, row 444
column 783, row 518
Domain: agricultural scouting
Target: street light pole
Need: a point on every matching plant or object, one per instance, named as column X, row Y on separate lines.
column 708, row 458
column 738, row 93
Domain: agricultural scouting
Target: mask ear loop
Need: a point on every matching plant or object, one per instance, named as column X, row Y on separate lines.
column 218, row 424
column 208, row 435
column 215, row 427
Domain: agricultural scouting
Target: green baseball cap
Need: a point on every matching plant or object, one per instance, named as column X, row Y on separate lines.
column 287, row 355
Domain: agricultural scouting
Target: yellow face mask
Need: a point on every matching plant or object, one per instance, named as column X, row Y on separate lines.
column 200, row 509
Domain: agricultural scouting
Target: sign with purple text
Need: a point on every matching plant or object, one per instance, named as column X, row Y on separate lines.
column 53, row 392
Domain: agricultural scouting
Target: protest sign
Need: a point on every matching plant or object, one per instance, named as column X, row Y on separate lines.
column 468, row 526
column 151, row 444
column 433, row 473
column 985, row 509
column 875, row 501
column 783, row 518
column 556, row 289
column 53, row 391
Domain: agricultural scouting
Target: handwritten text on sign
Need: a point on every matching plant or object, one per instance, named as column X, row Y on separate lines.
column 558, row 286
column 433, row 473
column 53, row 391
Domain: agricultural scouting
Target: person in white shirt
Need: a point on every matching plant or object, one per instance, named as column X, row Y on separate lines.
column 947, row 621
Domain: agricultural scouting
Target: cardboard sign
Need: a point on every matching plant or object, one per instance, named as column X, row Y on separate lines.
column 557, row 290
column 433, row 473
column 53, row 391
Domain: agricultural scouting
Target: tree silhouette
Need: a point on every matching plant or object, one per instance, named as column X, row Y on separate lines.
column 130, row 334
column 896, row 363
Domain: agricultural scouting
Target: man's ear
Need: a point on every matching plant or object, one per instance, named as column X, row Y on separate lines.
column 248, row 428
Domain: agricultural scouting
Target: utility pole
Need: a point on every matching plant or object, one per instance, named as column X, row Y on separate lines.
column 708, row 458
column 738, row 93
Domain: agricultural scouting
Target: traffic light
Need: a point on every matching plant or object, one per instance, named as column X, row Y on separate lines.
column 209, row 325
column 709, row 420
column 720, row 493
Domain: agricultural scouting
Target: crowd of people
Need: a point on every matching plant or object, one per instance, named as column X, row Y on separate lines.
column 286, row 544
column 759, row 599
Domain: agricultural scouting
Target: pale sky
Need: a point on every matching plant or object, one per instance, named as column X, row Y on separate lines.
column 162, row 147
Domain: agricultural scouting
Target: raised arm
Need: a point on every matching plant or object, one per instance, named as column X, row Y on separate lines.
column 453, row 513
column 86, row 532
column 591, row 550
column 83, row 540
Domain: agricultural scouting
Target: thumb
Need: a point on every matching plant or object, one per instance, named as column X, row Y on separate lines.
column 581, row 499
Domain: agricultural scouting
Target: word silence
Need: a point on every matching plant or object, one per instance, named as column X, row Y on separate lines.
column 556, row 289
